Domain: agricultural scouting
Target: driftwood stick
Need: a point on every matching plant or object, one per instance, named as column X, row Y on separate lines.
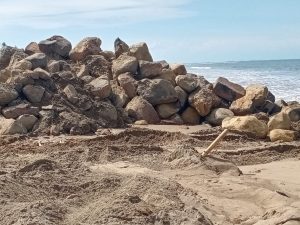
column 214, row 143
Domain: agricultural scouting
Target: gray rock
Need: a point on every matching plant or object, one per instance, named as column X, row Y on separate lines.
column 27, row 121
column 37, row 60
column 149, row 69
column 7, row 94
column 120, row 47
column 218, row 115
column 56, row 47
column 157, row 91
column 13, row 112
column 34, row 93
column 141, row 52
column 124, row 64
column 228, row 90
column 118, row 96
column 140, row 109
column 182, row 96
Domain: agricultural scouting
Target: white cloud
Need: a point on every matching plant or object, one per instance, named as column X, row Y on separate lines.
column 64, row 13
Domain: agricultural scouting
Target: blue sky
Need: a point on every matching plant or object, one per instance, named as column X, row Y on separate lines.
column 175, row 30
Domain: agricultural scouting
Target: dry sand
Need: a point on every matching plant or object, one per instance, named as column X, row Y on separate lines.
column 149, row 176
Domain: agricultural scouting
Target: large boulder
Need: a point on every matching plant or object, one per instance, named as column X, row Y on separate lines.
column 140, row 109
column 203, row 101
column 247, row 124
column 182, row 96
column 178, row 69
column 256, row 96
column 149, row 69
column 218, row 115
column 282, row 135
column 27, row 121
column 87, row 46
column 228, row 90
column 37, row 60
column 13, row 112
column 56, row 47
column 34, row 93
column 32, row 48
column 100, row 87
column 7, row 94
column 167, row 110
column 190, row 116
column 280, row 121
column 157, row 91
column 128, row 83
column 11, row 127
column 141, row 52
column 120, row 47
column 124, row 64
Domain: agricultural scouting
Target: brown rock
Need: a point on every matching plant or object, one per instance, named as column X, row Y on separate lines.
column 228, row 90
column 149, row 69
column 120, row 47
column 282, row 135
column 190, row 116
column 32, row 48
column 247, row 124
column 124, row 64
column 100, row 87
column 87, row 46
column 118, row 96
column 141, row 52
column 178, row 69
column 140, row 109
column 11, row 127
column 256, row 96
column 167, row 110
column 203, row 100
column 169, row 75
column 280, row 121
column 128, row 83
column 71, row 93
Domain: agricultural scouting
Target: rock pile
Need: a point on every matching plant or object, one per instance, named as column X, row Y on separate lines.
column 53, row 88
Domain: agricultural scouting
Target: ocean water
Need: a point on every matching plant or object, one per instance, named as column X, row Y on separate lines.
column 282, row 77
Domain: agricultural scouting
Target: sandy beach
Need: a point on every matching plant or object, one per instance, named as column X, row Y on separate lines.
column 149, row 175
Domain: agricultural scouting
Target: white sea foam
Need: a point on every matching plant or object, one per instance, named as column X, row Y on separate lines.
column 283, row 84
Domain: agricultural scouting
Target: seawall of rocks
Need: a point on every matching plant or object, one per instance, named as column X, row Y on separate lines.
column 51, row 88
